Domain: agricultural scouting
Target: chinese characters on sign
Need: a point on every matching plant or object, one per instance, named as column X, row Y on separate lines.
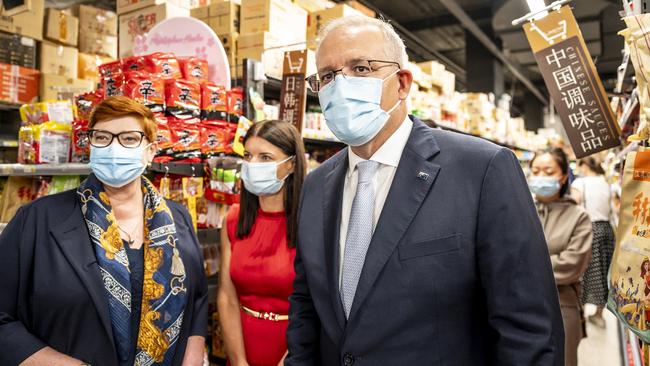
column 294, row 88
column 573, row 83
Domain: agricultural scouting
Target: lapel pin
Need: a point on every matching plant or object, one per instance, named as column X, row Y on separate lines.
column 423, row 176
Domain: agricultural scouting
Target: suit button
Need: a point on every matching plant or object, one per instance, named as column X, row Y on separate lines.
column 348, row 359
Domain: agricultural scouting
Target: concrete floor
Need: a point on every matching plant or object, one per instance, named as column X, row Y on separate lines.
column 601, row 347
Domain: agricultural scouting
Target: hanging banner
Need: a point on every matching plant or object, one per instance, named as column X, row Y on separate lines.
column 573, row 82
column 293, row 95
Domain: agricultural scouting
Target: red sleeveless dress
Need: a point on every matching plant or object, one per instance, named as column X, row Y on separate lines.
column 261, row 268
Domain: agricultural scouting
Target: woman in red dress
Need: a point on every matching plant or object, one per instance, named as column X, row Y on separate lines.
column 258, row 241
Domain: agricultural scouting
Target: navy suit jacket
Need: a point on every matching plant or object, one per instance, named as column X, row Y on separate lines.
column 457, row 273
column 51, row 289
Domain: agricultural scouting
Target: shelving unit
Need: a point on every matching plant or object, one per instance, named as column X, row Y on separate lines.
column 44, row 169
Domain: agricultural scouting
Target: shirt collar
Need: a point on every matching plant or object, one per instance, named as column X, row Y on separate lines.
column 390, row 152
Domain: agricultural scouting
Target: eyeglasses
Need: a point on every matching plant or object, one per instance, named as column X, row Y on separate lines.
column 356, row 68
column 128, row 139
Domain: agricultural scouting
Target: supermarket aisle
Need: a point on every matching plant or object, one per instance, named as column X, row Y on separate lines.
column 601, row 347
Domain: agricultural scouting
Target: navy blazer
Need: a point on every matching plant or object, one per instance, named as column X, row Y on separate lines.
column 51, row 290
column 458, row 272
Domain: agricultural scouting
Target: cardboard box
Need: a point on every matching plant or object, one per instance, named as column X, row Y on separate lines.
column 98, row 44
column 361, row 8
column 280, row 17
column 89, row 66
column 96, row 20
column 317, row 20
column 18, row 84
column 125, row 6
column 28, row 23
column 59, row 60
column 229, row 42
column 267, row 48
column 313, row 5
column 62, row 27
column 17, row 50
column 224, row 17
column 141, row 21
column 54, row 87
column 200, row 13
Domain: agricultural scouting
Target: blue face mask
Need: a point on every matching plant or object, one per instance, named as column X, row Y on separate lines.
column 261, row 179
column 115, row 165
column 352, row 110
column 544, row 187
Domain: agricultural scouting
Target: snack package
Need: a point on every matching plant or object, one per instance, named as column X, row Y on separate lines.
column 192, row 191
column 146, row 89
column 214, row 102
column 62, row 183
column 33, row 113
column 87, row 102
column 136, row 63
column 235, row 102
column 164, row 136
column 194, row 69
column 185, row 136
column 232, row 135
column 27, row 144
column 113, row 85
column 164, row 64
column 54, row 143
column 238, row 141
column 214, row 138
column 183, row 98
column 80, row 142
column 60, row 111
column 110, row 68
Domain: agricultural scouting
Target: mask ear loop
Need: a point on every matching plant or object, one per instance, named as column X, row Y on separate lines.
column 282, row 162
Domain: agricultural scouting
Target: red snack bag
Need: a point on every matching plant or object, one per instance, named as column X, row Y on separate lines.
column 214, row 102
column 165, row 65
column 164, row 136
column 232, row 132
column 183, row 98
column 236, row 102
column 135, row 63
column 185, row 135
column 214, row 137
column 146, row 89
column 194, row 69
column 86, row 103
column 110, row 68
column 113, row 85
column 80, row 142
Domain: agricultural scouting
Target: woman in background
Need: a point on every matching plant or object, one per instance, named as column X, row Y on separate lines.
column 593, row 192
column 258, row 241
column 568, row 234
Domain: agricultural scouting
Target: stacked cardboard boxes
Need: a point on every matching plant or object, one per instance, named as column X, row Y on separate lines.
column 26, row 20
column 223, row 17
column 97, row 31
column 62, row 27
column 318, row 19
column 17, row 50
column 268, row 28
column 18, row 84
column 145, row 16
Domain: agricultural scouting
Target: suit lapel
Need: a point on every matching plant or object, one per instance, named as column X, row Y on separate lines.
column 74, row 241
column 332, row 205
column 413, row 179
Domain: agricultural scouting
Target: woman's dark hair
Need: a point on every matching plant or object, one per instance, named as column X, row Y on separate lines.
column 287, row 138
column 592, row 164
column 562, row 161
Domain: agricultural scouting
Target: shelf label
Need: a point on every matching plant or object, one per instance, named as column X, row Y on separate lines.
column 293, row 95
column 573, row 82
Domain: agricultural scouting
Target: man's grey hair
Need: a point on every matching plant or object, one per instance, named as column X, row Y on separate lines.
column 394, row 45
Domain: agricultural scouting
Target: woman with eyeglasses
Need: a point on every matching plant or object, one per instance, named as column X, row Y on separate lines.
column 258, row 246
column 109, row 273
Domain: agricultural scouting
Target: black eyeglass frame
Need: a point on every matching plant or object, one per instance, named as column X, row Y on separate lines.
column 113, row 136
column 314, row 78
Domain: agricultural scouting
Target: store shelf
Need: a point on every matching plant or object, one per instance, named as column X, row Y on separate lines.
column 9, row 143
column 187, row 169
column 6, row 106
column 323, row 143
column 43, row 169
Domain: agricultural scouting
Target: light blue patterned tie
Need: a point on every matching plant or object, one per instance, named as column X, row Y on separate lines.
column 359, row 233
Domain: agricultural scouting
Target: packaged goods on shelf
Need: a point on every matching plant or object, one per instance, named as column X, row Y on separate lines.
column 59, row 60
column 183, row 98
column 315, row 127
column 100, row 44
column 141, row 21
column 319, row 19
column 62, row 27
column 224, row 17
column 45, row 143
column 282, row 18
column 96, row 20
column 89, row 66
column 56, row 111
column 214, row 102
column 28, row 22
column 146, row 89
column 126, row 6
column 80, row 143
column 194, row 69
column 19, row 84
column 267, row 48
column 17, row 50
column 223, row 180
column 54, row 87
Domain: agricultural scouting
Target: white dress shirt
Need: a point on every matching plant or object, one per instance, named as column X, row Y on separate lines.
column 388, row 157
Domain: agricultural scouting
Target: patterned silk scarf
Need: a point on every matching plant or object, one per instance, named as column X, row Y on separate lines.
column 164, row 295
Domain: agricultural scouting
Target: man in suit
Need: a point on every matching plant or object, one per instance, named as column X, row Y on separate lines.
column 416, row 246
